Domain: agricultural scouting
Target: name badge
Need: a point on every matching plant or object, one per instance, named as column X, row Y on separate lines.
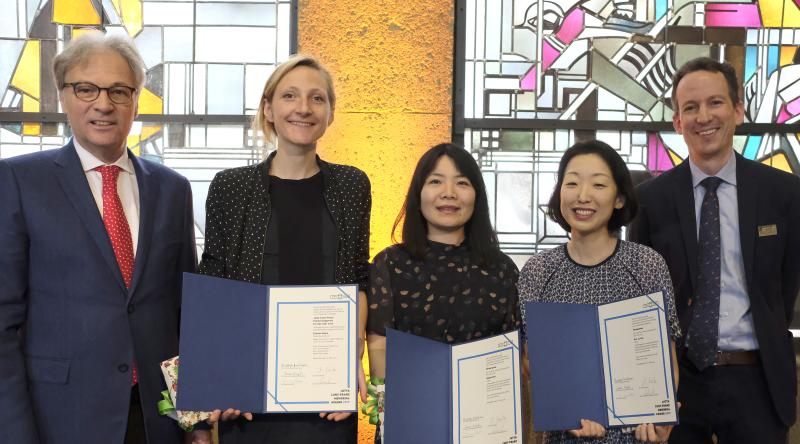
column 767, row 230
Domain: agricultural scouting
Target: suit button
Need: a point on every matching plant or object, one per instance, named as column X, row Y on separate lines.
column 122, row 368
column 130, row 308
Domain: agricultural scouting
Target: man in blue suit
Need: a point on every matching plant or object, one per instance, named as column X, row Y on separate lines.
column 729, row 230
column 93, row 243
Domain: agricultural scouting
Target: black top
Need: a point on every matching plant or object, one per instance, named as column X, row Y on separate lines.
column 240, row 229
column 446, row 296
column 238, row 214
column 298, row 209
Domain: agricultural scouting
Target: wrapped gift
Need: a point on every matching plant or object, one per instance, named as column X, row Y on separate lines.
column 166, row 406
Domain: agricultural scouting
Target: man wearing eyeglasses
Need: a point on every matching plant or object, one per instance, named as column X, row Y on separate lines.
column 93, row 243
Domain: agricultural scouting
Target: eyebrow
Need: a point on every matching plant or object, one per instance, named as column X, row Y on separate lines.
column 715, row 96
column 442, row 175
column 110, row 86
column 313, row 89
column 593, row 175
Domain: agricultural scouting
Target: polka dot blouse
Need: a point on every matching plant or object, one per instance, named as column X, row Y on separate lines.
column 445, row 296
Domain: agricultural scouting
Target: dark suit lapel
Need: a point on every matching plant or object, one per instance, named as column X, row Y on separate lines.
column 684, row 203
column 747, row 196
column 69, row 173
column 148, row 196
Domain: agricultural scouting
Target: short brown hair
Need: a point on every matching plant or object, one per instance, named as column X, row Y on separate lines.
column 710, row 65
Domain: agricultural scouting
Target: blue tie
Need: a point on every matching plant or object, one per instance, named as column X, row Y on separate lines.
column 704, row 329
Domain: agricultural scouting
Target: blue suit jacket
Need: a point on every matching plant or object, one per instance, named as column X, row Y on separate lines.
column 69, row 329
column 767, row 198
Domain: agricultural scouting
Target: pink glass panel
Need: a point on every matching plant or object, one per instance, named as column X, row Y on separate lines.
column 742, row 15
column 572, row 26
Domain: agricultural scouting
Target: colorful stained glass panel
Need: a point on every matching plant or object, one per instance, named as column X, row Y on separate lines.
column 541, row 62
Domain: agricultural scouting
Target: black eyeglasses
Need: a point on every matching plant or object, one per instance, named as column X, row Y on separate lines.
column 89, row 92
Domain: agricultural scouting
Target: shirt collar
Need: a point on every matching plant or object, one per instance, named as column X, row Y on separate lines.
column 727, row 173
column 89, row 162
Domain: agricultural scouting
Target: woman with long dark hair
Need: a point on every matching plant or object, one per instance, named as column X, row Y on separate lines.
column 447, row 280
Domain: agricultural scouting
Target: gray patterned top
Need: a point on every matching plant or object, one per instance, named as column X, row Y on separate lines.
column 631, row 271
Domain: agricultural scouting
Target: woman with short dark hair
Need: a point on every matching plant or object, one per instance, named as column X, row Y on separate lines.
column 593, row 198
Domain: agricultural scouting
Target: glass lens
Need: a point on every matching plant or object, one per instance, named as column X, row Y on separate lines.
column 86, row 91
column 119, row 94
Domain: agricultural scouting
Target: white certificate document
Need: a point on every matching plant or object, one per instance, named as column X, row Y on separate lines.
column 311, row 359
column 486, row 391
column 636, row 361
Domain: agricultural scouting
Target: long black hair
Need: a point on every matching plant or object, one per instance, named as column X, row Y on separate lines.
column 480, row 237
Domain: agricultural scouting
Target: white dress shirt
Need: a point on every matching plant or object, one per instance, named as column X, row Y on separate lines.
column 127, row 187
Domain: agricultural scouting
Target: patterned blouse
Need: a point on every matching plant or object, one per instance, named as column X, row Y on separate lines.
column 445, row 296
column 632, row 270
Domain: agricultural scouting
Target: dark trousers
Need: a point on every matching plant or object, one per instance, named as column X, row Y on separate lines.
column 288, row 428
column 729, row 401
column 135, row 433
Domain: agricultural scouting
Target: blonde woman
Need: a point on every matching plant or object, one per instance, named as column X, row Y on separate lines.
column 292, row 219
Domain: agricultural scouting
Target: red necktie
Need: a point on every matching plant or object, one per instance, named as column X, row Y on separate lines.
column 117, row 227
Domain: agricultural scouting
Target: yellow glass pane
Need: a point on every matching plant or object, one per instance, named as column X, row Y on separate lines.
column 787, row 52
column 676, row 159
column 75, row 12
column 779, row 161
column 791, row 14
column 77, row 32
column 31, row 129
column 149, row 103
column 26, row 76
column 131, row 12
column 150, row 130
column 133, row 143
column 779, row 13
column 771, row 12
column 30, row 105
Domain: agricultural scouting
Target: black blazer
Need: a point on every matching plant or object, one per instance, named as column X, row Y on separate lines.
column 767, row 197
column 238, row 210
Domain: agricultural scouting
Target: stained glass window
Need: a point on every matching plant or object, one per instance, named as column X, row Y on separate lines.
column 206, row 64
column 535, row 76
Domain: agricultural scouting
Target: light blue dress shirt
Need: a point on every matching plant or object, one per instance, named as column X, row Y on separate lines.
column 735, row 319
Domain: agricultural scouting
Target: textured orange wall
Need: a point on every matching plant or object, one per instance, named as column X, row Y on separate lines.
column 392, row 64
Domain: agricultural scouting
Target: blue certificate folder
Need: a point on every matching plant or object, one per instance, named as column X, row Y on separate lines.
column 224, row 346
column 568, row 369
column 419, row 389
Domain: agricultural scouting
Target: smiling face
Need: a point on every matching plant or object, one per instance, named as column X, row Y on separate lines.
column 447, row 201
column 588, row 195
column 101, row 126
column 706, row 116
column 300, row 110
